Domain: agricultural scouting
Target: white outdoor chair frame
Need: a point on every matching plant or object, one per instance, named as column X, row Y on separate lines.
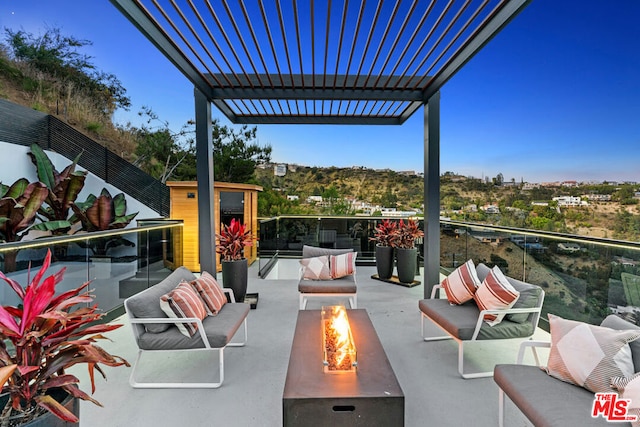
column 474, row 338
column 207, row 347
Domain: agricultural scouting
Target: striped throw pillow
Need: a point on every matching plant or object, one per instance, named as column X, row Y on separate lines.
column 316, row 268
column 342, row 265
column 629, row 388
column 210, row 292
column 588, row 355
column 462, row 283
column 495, row 293
column 182, row 302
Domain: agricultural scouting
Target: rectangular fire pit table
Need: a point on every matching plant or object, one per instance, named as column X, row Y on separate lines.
column 369, row 397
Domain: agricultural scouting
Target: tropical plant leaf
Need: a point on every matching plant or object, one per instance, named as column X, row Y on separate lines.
column 50, row 404
column 44, row 167
column 5, row 373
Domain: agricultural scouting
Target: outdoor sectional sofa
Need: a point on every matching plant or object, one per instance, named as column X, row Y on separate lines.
column 154, row 331
column 547, row 401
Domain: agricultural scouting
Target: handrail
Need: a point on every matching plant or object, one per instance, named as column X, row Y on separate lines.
column 623, row 244
column 53, row 240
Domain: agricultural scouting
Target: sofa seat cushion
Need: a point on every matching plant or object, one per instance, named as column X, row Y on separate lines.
column 460, row 321
column 546, row 401
column 343, row 285
column 147, row 302
column 219, row 331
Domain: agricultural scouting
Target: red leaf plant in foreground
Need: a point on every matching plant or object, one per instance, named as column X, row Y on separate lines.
column 232, row 240
column 48, row 334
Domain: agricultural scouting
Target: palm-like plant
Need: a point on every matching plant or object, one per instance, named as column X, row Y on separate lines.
column 49, row 334
column 385, row 233
column 232, row 240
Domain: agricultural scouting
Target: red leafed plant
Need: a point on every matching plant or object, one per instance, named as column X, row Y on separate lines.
column 49, row 333
column 232, row 240
column 408, row 232
column 385, row 233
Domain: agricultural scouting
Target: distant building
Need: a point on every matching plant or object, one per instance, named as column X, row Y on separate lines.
column 569, row 248
column 569, row 201
column 491, row 209
column 598, row 197
column 314, row 199
column 530, row 185
column 280, row 170
column 293, row 198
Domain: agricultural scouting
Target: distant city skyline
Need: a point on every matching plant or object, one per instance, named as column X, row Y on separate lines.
column 555, row 96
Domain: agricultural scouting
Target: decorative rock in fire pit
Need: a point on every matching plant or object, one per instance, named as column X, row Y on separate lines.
column 339, row 350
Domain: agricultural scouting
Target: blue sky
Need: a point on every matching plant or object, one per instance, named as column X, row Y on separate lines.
column 555, row 96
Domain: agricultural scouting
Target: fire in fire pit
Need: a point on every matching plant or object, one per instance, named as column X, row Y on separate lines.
column 339, row 349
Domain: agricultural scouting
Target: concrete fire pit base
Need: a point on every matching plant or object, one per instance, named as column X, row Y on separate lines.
column 371, row 396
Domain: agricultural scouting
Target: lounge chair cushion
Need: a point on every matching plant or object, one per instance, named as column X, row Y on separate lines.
column 210, row 292
column 182, row 302
column 146, row 303
column 544, row 400
column 342, row 265
column 462, row 283
column 495, row 293
column 344, row 285
column 460, row 321
column 219, row 331
column 316, row 268
column 589, row 355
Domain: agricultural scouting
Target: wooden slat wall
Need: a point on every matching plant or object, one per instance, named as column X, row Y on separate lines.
column 186, row 209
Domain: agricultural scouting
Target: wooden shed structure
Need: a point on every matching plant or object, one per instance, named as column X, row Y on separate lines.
column 239, row 201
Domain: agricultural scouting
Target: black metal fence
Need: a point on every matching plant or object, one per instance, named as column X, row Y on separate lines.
column 24, row 126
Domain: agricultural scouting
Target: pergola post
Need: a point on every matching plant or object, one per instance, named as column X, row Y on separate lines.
column 204, row 176
column 431, row 193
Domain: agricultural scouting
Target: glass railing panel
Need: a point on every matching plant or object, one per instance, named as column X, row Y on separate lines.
column 118, row 263
column 584, row 278
column 286, row 235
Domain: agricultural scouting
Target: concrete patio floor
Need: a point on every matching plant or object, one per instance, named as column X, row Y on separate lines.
column 255, row 374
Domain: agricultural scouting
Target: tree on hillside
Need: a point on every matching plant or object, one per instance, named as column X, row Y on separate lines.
column 236, row 153
column 59, row 56
column 161, row 152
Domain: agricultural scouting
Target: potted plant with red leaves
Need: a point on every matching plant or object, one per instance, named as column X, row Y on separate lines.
column 385, row 236
column 406, row 251
column 232, row 240
column 40, row 338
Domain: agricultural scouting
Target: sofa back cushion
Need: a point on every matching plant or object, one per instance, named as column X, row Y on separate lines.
column 147, row 302
column 312, row 251
column 615, row 322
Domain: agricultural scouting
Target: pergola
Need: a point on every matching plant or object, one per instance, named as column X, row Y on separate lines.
column 320, row 62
